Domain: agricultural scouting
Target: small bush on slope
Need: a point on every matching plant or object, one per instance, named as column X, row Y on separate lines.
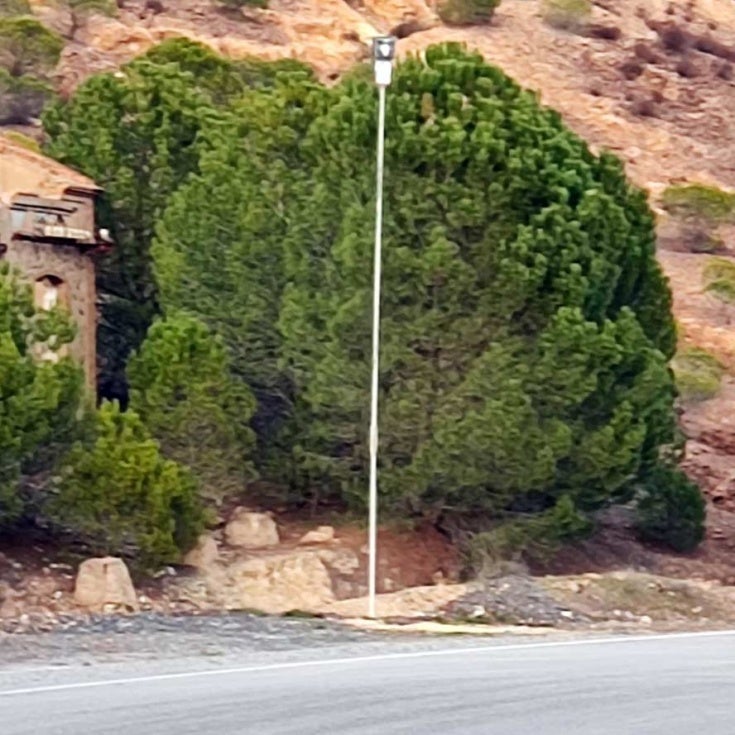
column 467, row 12
column 27, row 47
column 671, row 510
column 698, row 374
column 120, row 496
column 567, row 15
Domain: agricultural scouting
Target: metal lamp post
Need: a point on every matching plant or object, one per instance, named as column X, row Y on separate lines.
column 384, row 49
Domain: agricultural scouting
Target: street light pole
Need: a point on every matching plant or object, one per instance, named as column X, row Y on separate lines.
column 383, row 54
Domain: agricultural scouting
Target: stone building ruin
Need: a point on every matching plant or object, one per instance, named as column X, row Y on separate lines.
column 48, row 235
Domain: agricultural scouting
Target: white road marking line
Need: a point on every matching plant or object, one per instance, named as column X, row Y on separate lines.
column 499, row 648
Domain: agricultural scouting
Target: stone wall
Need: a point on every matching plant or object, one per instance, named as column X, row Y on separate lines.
column 35, row 260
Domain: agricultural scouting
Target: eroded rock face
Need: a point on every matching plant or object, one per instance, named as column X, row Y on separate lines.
column 319, row 535
column 104, row 585
column 204, row 554
column 56, row 16
column 277, row 584
column 250, row 530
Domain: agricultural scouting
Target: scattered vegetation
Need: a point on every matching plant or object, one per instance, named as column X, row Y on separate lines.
column 719, row 279
column 14, row 8
column 22, row 98
column 28, row 54
column 467, row 12
column 27, row 47
column 238, row 4
column 698, row 374
column 697, row 201
column 567, row 15
column 82, row 9
column 23, row 140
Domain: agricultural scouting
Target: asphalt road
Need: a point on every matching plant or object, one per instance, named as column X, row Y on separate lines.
column 672, row 685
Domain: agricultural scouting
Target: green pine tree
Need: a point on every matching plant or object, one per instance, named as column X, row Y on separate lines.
column 526, row 323
column 117, row 494
column 39, row 400
column 182, row 389
column 219, row 251
column 136, row 133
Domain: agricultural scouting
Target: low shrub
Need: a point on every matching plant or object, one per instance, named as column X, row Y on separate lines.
column 567, row 15
column 531, row 539
column 103, row 7
column 724, row 290
column 700, row 202
column 673, row 38
column 10, row 8
column 719, row 279
column 22, row 140
column 27, row 47
column 467, row 12
column 698, row 374
column 237, row 4
column 22, row 98
column 81, row 10
column 118, row 495
column 702, row 240
column 671, row 510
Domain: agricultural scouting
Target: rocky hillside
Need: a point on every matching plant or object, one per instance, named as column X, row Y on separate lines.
column 653, row 82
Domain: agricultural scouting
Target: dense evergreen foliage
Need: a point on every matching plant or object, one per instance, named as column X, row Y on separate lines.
column 227, row 268
column 526, row 324
column 223, row 80
column 136, row 135
column 182, row 390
